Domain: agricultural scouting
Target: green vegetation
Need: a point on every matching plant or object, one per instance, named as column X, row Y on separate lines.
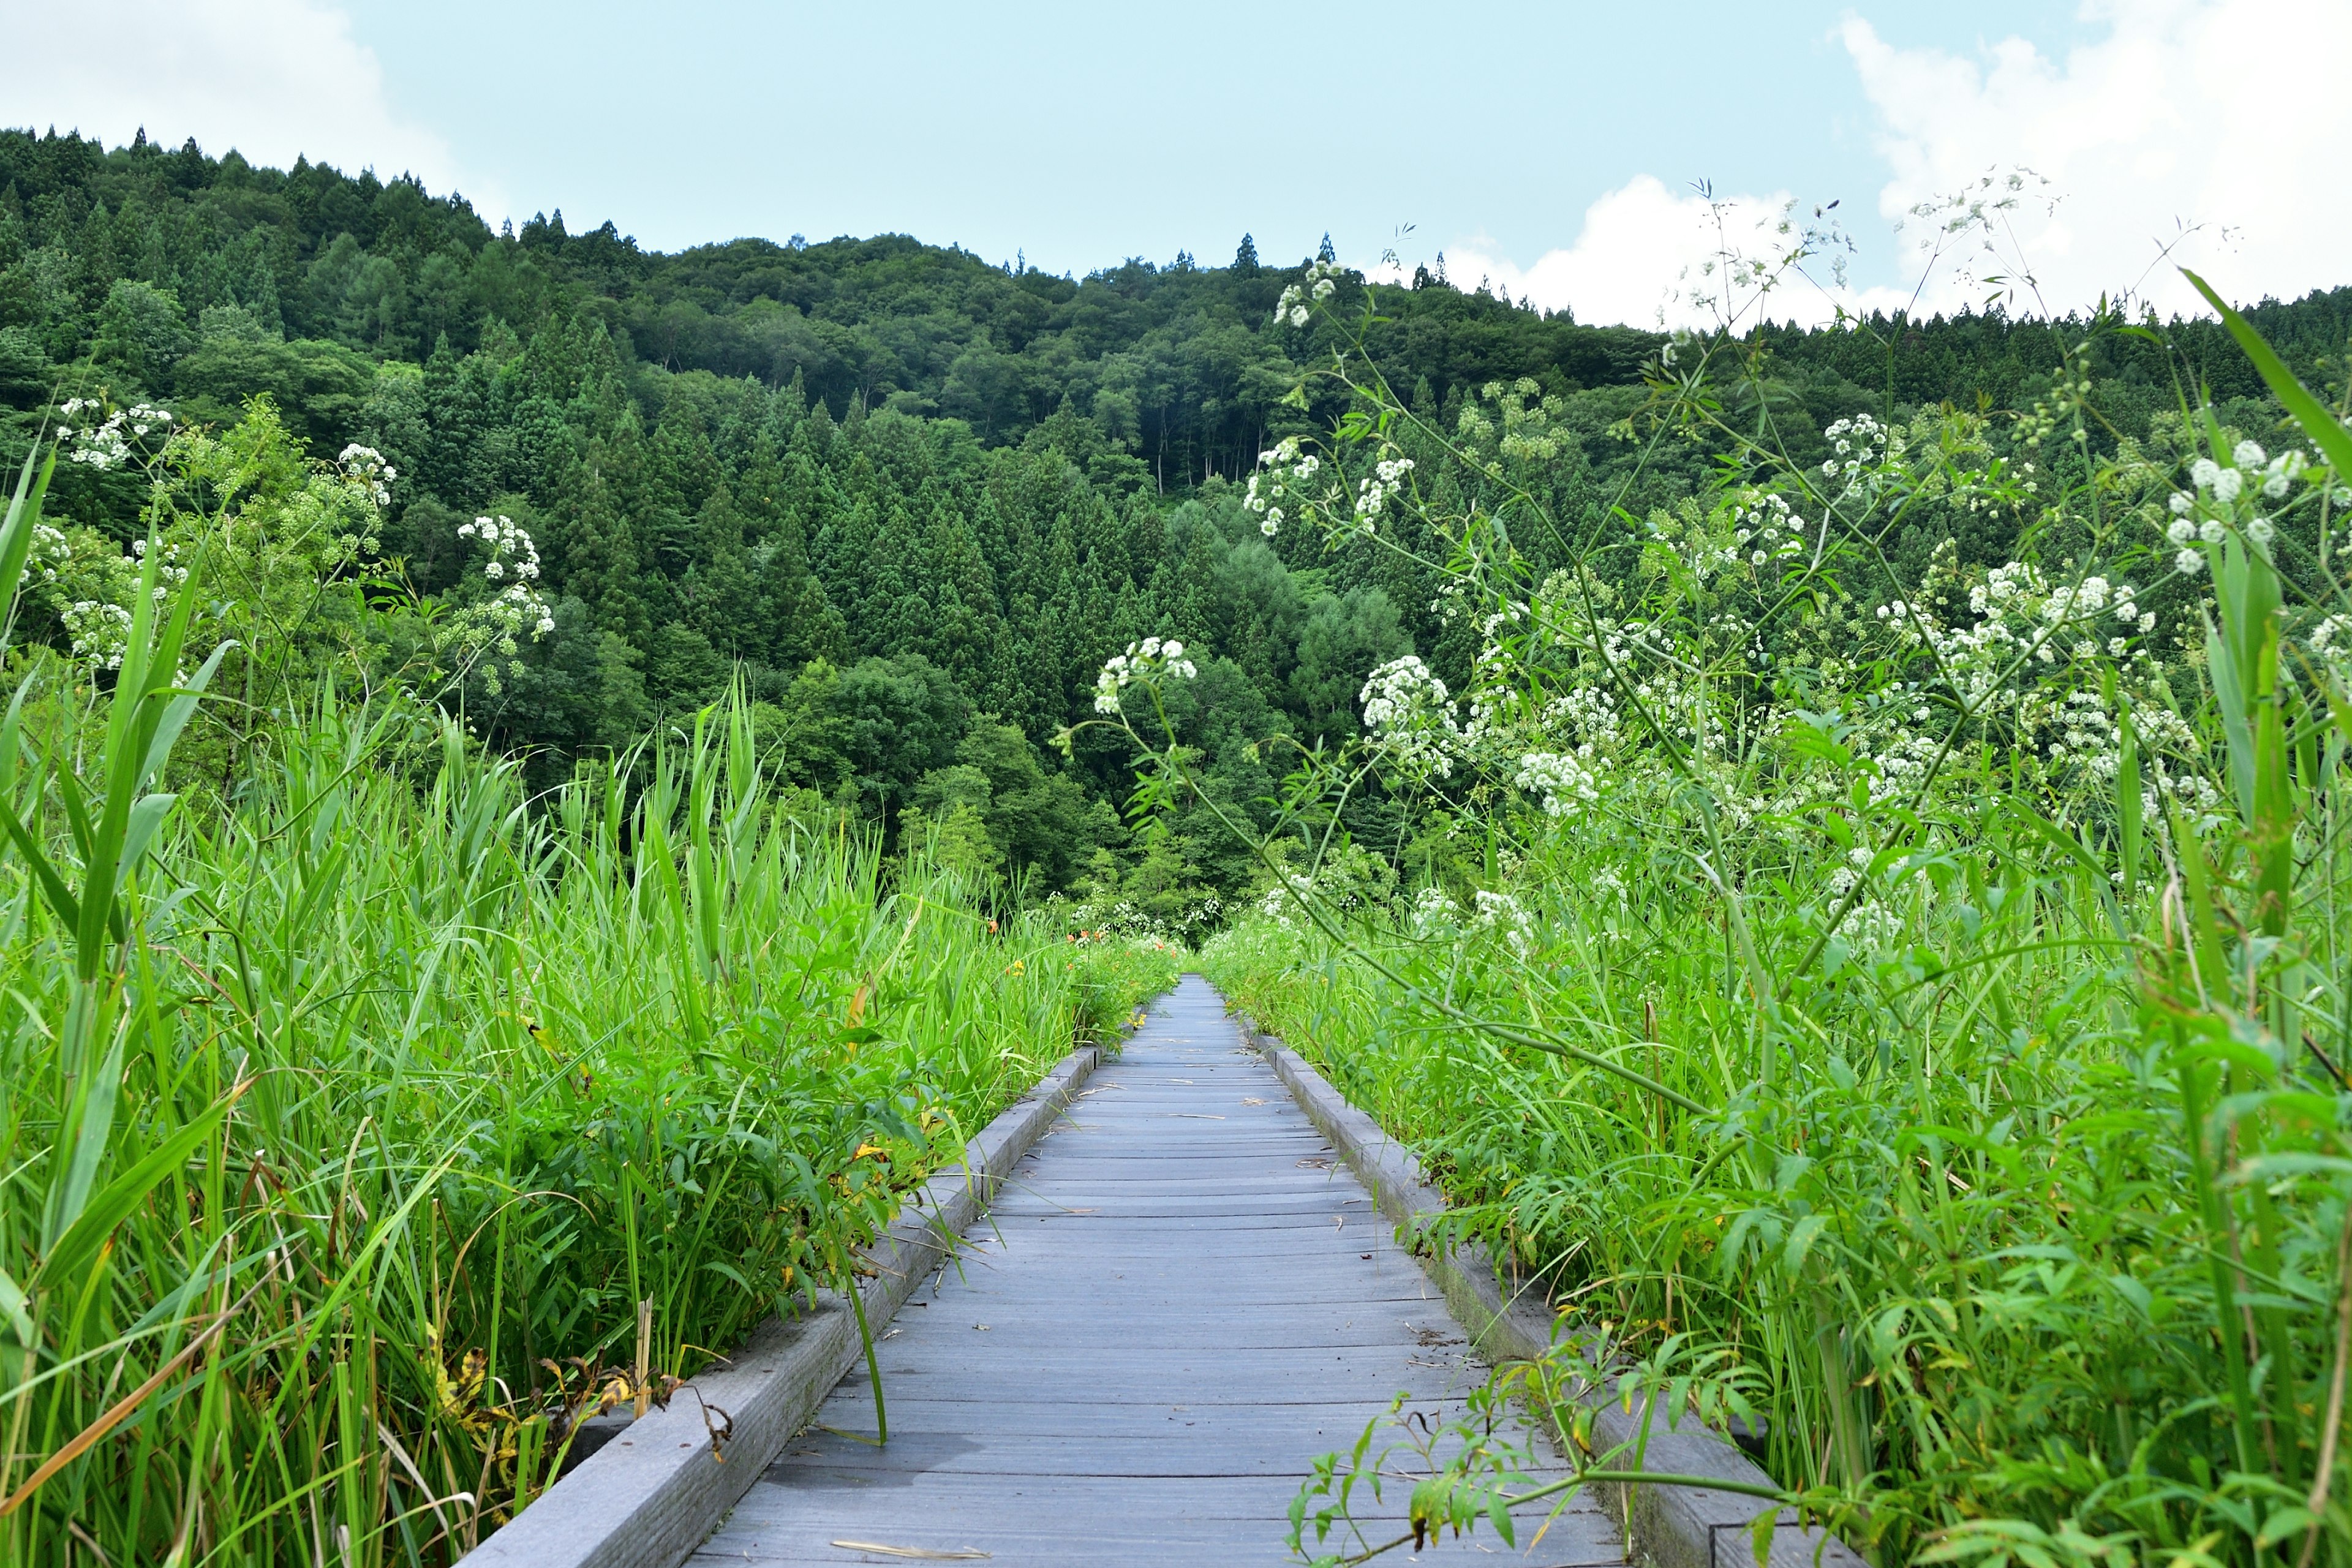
column 369, row 1119
column 1906, row 1005
column 762, row 455
column 1834, row 865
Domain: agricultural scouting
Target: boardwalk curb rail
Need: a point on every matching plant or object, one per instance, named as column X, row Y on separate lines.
column 648, row 1497
column 1674, row 1527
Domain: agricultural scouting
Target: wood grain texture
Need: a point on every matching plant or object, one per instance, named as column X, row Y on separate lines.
column 1180, row 1298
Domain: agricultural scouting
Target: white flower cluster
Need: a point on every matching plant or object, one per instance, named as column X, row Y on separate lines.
column 2089, row 735
column 99, row 630
column 1565, row 782
column 2203, row 516
column 92, row 587
column 169, row 573
column 1434, row 914
column 1096, row 920
column 513, row 553
column 1322, row 280
column 1283, row 467
column 497, row 624
column 1766, row 527
column 1145, row 660
column 2022, row 609
column 365, row 471
column 49, row 551
column 2223, row 483
column 1374, row 491
column 2092, row 597
column 2329, row 642
column 1279, row 491
column 107, row 443
column 1409, row 715
column 1348, row 877
column 1855, row 445
column 2015, row 597
column 1590, row 713
column 2328, row 637
column 1278, row 901
column 1503, row 913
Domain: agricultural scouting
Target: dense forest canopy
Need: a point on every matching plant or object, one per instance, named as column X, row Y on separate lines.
column 913, row 497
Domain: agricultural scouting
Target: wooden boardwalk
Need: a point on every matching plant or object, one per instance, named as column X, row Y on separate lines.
column 1180, row 1301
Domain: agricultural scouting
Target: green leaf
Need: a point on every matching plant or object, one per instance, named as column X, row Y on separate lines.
column 1498, row 1512
column 177, row 712
column 1801, row 1236
column 62, row 903
column 16, row 532
column 92, row 1128
column 146, row 816
column 2128, row 800
column 11, row 1306
column 2285, row 1522
column 114, row 1202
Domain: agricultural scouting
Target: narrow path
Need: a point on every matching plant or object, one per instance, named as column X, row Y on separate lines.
column 1181, row 1299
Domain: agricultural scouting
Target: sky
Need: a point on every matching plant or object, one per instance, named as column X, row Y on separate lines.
column 1584, row 156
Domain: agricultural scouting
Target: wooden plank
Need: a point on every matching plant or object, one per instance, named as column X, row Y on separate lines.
column 1340, row 1422
column 1080, row 1299
column 1250, row 1497
column 1417, row 1323
column 1065, row 1523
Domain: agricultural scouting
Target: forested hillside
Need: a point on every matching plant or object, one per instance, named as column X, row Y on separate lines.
column 916, row 498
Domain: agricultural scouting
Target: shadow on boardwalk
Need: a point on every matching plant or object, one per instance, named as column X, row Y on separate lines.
column 1180, row 1301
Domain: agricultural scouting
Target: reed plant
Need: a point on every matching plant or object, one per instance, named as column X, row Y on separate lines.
column 368, row 1121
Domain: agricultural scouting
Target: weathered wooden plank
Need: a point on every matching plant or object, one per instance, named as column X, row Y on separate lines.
column 1246, row 1496
column 1206, row 1525
column 1153, row 1381
column 994, row 1452
column 1050, row 1417
column 1311, row 1325
column 1244, row 1194
column 1081, row 1300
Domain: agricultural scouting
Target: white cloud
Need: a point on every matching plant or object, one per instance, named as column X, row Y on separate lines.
column 2213, row 112
column 2188, row 115
column 270, row 78
column 1646, row 256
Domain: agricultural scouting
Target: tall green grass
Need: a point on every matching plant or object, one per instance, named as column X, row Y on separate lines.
column 355, row 1115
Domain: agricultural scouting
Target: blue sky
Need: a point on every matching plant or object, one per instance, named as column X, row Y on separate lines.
column 1551, row 147
column 1082, row 134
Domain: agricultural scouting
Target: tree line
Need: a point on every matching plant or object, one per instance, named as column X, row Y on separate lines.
column 911, row 498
